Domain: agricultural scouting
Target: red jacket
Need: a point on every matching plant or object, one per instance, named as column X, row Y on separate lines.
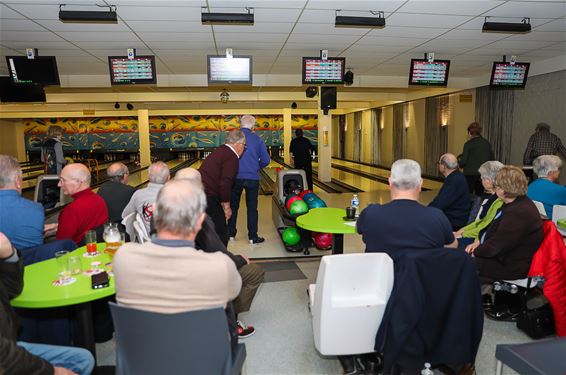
column 87, row 212
column 550, row 261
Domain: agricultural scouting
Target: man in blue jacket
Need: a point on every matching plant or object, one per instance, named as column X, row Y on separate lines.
column 252, row 161
column 454, row 196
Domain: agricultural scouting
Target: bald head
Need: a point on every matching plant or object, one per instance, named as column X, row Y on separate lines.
column 447, row 164
column 74, row 178
column 118, row 172
column 247, row 121
column 189, row 174
column 158, row 173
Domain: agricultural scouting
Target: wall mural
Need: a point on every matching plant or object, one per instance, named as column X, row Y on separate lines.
column 175, row 132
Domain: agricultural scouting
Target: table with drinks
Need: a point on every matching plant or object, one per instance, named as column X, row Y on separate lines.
column 66, row 281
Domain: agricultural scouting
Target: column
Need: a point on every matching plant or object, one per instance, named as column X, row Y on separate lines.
column 324, row 146
column 143, row 131
column 287, row 133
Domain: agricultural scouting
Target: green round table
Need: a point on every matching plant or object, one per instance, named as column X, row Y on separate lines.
column 39, row 292
column 328, row 220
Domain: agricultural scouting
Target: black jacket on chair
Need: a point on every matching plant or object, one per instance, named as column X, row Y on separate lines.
column 435, row 311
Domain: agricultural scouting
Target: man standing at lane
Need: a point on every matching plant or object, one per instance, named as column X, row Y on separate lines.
column 404, row 223
column 454, row 196
column 301, row 150
column 251, row 162
column 218, row 172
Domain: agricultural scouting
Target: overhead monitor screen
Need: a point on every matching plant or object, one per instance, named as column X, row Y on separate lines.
column 42, row 70
column 236, row 69
column 427, row 73
column 124, row 71
column 507, row 75
column 318, row 71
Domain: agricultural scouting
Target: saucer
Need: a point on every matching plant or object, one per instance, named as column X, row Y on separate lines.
column 346, row 219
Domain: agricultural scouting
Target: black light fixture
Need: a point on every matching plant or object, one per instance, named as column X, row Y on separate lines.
column 507, row 27
column 294, row 105
column 362, row 22
column 208, row 18
column 117, row 105
column 88, row 16
column 311, row 91
column 129, row 106
column 348, row 78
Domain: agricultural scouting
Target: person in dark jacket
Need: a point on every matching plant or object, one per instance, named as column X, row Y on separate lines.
column 301, row 150
column 505, row 249
column 52, row 151
column 27, row 358
column 116, row 192
column 453, row 198
column 477, row 150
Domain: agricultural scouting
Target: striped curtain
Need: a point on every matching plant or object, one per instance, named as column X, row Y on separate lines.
column 376, row 136
column 494, row 112
column 398, row 131
column 436, row 135
column 357, row 135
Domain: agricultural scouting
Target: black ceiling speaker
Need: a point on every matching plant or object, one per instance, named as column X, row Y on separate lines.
column 507, row 27
column 294, row 105
column 327, row 98
column 88, row 16
column 129, row 106
column 348, row 78
column 227, row 18
column 311, row 91
column 365, row 22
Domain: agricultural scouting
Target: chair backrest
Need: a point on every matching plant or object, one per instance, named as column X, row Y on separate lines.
column 475, row 208
column 351, row 294
column 141, row 234
column 195, row 342
column 558, row 212
column 540, row 208
column 43, row 184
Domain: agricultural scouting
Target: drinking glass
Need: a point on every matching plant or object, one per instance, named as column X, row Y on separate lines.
column 113, row 239
column 62, row 258
column 75, row 265
column 90, row 241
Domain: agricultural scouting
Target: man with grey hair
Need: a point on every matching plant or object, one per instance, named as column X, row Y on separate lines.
column 251, row 162
column 116, row 192
column 454, row 196
column 218, row 172
column 142, row 200
column 404, row 223
column 545, row 188
column 252, row 274
column 86, row 212
column 168, row 275
column 21, row 220
column 543, row 142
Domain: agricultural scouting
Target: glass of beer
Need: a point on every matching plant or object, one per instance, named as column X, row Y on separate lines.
column 90, row 241
column 62, row 258
column 113, row 239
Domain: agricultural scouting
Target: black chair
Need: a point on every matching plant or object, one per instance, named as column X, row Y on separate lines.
column 540, row 358
column 195, row 342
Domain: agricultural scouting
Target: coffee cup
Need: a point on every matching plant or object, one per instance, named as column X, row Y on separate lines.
column 350, row 213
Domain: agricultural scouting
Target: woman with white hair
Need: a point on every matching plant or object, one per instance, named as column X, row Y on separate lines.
column 545, row 189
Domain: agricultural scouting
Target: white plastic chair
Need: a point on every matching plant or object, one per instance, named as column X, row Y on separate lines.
column 541, row 209
column 559, row 212
column 348, row 301
column 141, row 234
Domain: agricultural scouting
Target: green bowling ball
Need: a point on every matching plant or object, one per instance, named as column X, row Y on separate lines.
column 298, row 208
column 316, row 203
column 289, row 201
column 291, row 236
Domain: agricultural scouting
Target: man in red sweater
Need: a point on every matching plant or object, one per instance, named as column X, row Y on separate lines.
column 218, row 172
column 87, row 211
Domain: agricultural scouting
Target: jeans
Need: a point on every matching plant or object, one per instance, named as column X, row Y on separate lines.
column 252, row 189
column 78, row 360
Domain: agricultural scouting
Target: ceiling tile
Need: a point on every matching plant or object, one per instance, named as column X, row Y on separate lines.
column 326, row 29
column 22, row 45
column 538, row 9
column 168, row 26
column 388, row 41
column 425, row 20
column 251, row 37
column 37, row 11
column 276, row 15
column 258, row 27
column 289, row 4
column 176, row 37
column 58, row 26
column 159, row 13
column 19, row 25
column 316, row 39
column 385, row 6
column 549, row 36
column 30, row 36
column 464, row 8
column 519, row 44
column 408, row 32
column 475, row 34
column 180, row 45
column 6, row 12
column 99, row 36
column 557, row 25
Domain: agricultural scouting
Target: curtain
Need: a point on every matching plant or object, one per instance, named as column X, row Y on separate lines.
column 494, row 112
column 375, row 136
column 398, row 131
column 436, row 135
column 357, row 129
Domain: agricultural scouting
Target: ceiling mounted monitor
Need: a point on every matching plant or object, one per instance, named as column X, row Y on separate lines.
column 317, row 71
column 10, row 93
column 42, row 70
column 229, row 70
column 509, row 75
column 429, row 73
column 139, row 70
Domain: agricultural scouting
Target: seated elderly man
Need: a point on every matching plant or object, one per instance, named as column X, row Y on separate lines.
column 168, row 275
column 21, row 220
column 545, row 189
column 454, row 195
column 116, row 192
column 404, row 223
column 86, row 212
column 506, row 247
column 142, row 201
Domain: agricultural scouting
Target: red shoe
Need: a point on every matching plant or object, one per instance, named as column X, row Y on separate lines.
column 243, row 330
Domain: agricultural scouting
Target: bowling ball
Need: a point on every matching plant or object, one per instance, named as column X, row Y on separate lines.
column 298, row 208
column 307, row 195
column 316, row 203
column 310, row 197
column 291, row 236
column 305, row 192
column 290, row 200
column 290, row 186
column 322, row 241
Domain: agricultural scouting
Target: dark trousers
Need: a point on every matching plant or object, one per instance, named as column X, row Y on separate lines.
column 475, row 185
column 308, row 171
column 252, row 189
column 216, row 213
column 252, row 277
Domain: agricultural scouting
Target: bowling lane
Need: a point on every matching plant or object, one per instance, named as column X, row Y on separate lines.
column 362, row 183
column 141, row 177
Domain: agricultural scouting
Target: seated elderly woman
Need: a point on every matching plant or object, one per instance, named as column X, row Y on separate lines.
column 506, row 247
column 489, row 206
column 545, row 189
